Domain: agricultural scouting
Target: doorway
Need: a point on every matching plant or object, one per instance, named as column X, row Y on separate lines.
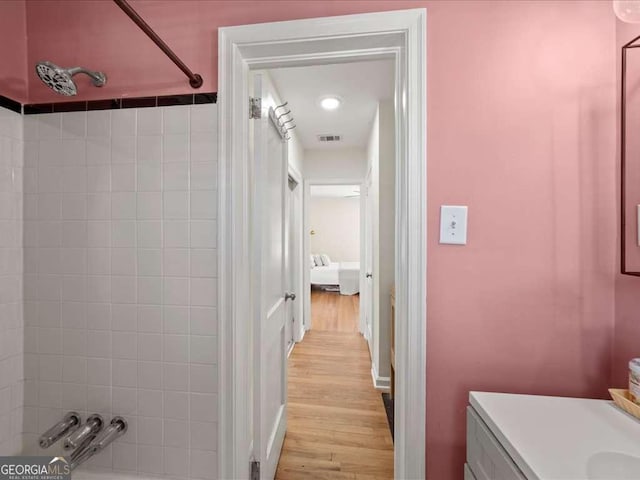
column 396, row 35
column 333, row 224
column 294, row 325
column 333, row 146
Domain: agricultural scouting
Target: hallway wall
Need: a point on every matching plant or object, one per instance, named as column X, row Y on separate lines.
column 344, row 164
column 381, row 164
column 336, row 222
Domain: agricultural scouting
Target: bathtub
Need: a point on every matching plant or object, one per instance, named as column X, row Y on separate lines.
column 82, row 474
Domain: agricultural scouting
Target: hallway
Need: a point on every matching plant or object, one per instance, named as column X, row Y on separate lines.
column 337, row 427
column 332, row 312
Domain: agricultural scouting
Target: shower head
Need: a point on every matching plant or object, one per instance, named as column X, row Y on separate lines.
column 60, row 80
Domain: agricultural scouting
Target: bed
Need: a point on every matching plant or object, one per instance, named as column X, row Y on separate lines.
column 344, row 274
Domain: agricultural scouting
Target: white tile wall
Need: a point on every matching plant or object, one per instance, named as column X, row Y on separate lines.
column 120, row 281
column 11, row 271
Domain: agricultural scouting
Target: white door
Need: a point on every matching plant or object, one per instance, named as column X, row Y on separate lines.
column 291, row 262
column 368, row 263
column 270, row 360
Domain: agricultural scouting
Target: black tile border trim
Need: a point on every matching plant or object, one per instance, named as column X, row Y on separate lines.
column 10, row 104
column 37, row 108
column 112, row 104
column 139, row 102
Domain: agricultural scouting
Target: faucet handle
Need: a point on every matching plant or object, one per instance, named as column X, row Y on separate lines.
column 115, row 429
column 70, row 422
column 97, row 442
column 91, row 427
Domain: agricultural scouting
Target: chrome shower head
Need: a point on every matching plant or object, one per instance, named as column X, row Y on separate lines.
column 60, row 80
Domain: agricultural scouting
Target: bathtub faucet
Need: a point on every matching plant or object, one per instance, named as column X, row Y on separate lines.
column 68, row 424
column 99, row 442
column 84, row 434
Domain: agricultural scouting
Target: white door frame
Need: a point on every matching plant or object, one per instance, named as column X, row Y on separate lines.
column 366, row 306
column 300, row 263
column 308, row 323
column 400, row 35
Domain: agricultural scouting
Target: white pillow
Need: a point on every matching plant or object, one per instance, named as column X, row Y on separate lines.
column 312, row 261
column 317, row 259
column 326, row 261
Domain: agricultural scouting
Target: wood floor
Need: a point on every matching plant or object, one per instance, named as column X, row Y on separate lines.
column 332, row 312
column 337, row 427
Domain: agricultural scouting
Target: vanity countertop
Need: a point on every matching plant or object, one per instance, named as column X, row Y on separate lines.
column 556, row 438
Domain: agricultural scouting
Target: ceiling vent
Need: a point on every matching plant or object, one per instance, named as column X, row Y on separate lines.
column 329, row 138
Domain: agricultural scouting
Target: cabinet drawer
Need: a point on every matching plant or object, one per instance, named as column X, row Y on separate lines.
column 486, row 458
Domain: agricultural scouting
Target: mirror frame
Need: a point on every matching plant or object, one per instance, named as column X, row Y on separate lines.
column 635, row 43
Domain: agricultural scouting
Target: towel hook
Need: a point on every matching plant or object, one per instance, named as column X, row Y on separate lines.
column 283, row 115
column 281, row 106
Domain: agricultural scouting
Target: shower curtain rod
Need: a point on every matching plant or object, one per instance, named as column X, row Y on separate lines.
column 195, row 80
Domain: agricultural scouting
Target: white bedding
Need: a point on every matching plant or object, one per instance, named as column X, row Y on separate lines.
column 326, row 275
column 344, row 274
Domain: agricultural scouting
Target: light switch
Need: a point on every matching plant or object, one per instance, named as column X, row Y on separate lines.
column 453, row 224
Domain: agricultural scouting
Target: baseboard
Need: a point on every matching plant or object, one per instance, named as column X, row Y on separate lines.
column 367, row 332
column 380, row 383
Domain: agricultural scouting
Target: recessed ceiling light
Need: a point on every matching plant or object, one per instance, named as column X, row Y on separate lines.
column 330, row 102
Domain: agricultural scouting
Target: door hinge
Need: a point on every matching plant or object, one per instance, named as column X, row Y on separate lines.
column 255, row 107
column 255, row 470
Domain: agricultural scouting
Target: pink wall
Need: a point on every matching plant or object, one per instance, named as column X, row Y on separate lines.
column 13, row 50
column 98, row 35
column 627, row 323
column 521, row 128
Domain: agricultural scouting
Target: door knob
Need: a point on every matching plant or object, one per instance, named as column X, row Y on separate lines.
column 369, row 275
column 289, row 296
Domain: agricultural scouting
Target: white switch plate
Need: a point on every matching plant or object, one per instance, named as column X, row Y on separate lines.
column 453, row 224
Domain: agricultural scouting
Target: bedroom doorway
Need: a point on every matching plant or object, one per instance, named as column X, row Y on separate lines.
column 334, row 221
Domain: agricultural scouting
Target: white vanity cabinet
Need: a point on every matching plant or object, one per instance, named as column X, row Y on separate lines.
column 529, row 437
column 486, row 457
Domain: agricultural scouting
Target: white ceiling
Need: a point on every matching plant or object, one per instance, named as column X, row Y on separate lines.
column 360, row 85
column 335, row 191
